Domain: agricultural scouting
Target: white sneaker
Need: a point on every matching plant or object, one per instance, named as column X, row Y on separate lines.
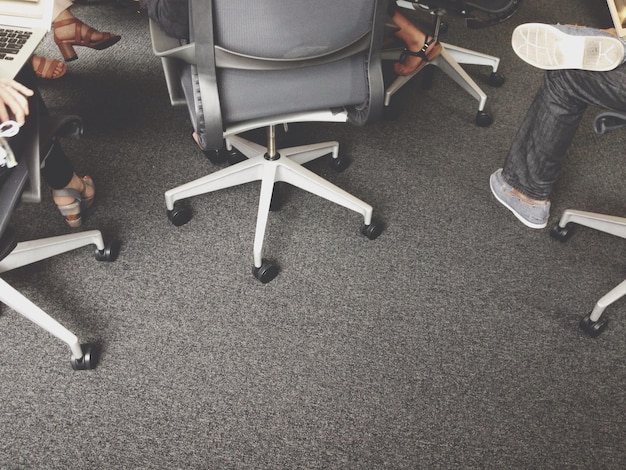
column 553, row 47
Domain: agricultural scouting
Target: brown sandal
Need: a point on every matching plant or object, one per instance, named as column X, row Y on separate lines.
column 66, row 46
column 428, row 52
column 50, row 69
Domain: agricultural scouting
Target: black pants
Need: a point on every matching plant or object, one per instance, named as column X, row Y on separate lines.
column 57, row 170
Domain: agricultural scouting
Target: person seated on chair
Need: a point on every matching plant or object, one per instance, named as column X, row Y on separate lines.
column 173, row 17
column 72, row 194
column 69, row 31
column 592, row 72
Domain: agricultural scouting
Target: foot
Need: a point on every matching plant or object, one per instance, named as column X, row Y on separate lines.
column 47, row 68
column 75, row 198
column 76, row 31
column 553, row 47
column 531, row 212
column 412, row 60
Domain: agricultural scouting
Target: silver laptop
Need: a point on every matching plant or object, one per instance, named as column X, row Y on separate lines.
column 23, row 24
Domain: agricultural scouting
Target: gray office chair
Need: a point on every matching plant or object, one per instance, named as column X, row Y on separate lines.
column 593, row 324
column 252, row 65
column 23, row 183
column 477, row 14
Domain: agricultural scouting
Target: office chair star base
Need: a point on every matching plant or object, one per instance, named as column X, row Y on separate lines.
column 271, row 168
column 84, row 356
column 593, row 324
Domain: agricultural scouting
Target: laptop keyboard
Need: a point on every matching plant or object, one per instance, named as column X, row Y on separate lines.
column 11, row 41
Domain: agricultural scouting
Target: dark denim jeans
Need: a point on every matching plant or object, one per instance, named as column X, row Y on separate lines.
column 534, row 160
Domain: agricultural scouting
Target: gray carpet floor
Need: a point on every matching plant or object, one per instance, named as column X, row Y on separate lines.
column 449, row 342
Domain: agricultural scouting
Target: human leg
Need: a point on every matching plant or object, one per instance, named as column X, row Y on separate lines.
column 71, row 193
column 534, row 161
column 419, row 47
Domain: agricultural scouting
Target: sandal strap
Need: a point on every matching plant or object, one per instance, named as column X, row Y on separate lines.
column 68, row 192
column 422, row 53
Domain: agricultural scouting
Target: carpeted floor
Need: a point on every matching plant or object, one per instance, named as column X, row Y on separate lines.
column 449, row 342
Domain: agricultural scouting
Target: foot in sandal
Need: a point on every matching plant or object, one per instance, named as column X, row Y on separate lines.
column 75, row 199
column 69, row 31
column 47, row 68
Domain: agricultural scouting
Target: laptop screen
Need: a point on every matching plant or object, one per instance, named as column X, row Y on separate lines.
column 26, row 13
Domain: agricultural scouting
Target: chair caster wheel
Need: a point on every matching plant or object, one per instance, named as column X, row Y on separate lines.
column 110, row 251
column 278, row 196
column 179, row 216
column 593, row 328
column 496, row 79
column 216, row 157
column 483, row 119
column 266, row 272
column 372, row 231
column 562, row 234
column 339, row 164
column 89, row 359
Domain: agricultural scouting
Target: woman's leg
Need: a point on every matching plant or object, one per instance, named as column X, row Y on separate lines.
column 415, row 42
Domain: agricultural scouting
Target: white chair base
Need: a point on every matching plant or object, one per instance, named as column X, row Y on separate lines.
column 83, row 356
column 592, row 324
column 286, row 167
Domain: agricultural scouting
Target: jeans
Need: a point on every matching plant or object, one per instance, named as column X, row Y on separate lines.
column 533, row 163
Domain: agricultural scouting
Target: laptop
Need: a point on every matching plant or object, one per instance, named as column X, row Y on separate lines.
column 618, row 14
column 23, row 25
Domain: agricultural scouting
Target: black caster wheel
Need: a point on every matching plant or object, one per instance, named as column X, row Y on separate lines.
column 483, row 119
column 216, row 157
column 266, row 272
column 593, row 328
column 562, row 234
column 496, row 79
column 110, row 251
column 278, row 196
column 179, row 216
column 89, row 359
column 372, row 231
column 234, row 156
column 339, row 164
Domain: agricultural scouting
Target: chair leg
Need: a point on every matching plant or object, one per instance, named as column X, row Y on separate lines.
column 36, row 250
column 241, row 173
column 604, row 223
column 23, row 306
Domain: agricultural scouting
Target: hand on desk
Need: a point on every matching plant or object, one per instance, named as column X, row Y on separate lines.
column 14, row 100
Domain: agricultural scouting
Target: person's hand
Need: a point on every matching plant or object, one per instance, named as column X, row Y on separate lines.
column 13, row 99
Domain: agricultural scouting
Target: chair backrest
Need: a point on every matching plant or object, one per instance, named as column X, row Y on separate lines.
column 263, row 59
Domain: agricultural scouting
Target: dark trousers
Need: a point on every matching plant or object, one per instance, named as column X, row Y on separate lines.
column 57, row 170
column 533, row 163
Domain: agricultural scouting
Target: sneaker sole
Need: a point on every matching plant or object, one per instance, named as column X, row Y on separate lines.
column 546, row 47
column 519, row 217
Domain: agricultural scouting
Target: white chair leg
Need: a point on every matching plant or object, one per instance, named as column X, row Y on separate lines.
column 23, row 306
column 604, row 223
column 303, row 178
column 37, row 250
column 612, row 296
column 307, row 153
column 241, row 173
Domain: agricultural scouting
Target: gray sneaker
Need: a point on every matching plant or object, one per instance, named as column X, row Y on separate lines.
column 552, row 47
column 531, row 215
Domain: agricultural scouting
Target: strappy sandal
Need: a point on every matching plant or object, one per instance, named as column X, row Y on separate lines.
column 73, row 212
column 428, row 52
column 49, row 69
column 66, row 46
